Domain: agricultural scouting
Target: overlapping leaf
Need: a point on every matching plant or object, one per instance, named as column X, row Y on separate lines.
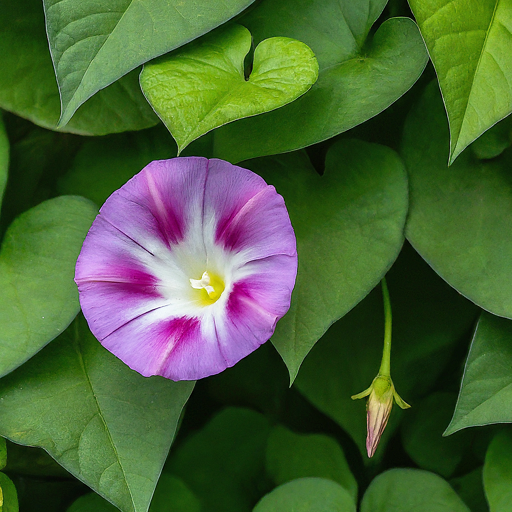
column 95, row 44
column 486, row 391
column 428, row 319
column 291, row 456
column 411, row 490
column 223, row 463
column 28, row 87
column 469, row 43
column 204, row 86
column 4, row 159
column 103, row 165
column 459, row 215
column 360, row 75
column 38, row 297
column 307, row 495
column 106, row 424
column 498, row 473
column 349, row 227
column 422, row 438
column 171, row 495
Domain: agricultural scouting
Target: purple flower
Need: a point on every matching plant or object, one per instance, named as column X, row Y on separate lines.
column 187, row 268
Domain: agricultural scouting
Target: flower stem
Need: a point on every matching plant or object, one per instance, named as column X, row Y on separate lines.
column 385, row 365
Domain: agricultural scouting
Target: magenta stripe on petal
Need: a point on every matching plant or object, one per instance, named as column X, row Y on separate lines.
column 160, row 201
column 251, row 215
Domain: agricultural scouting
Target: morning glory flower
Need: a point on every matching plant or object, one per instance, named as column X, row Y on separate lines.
column 187, row 268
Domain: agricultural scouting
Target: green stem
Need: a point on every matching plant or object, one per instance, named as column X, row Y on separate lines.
column 385, row 365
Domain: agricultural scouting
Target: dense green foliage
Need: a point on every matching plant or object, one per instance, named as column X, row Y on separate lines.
column 384, row 126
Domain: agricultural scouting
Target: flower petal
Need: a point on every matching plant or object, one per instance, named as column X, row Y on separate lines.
column 251, row 217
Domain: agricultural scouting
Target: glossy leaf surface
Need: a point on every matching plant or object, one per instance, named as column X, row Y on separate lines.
column 28, row 87
column 307, row 495
column 107, row 425
column 38, row 297
column 86, row 55
column 468, row 42
column 359, row 75
column 203, row 86
column 458, row 215
column 359, row 203
column 486, row 391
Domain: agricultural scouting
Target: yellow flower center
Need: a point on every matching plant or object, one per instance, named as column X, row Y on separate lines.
column 210, row 287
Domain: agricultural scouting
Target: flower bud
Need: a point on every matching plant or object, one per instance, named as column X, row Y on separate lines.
column 378, row 408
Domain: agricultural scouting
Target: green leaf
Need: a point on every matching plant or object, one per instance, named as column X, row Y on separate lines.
column 102, row 165
column 223, row 463
column 4, row 159
column 203, row 86
column 498, row 473
column 458, row 215
column 307, row 495
column 260, row 380
column 38, row 297
column 422, row 435
column 494, row 141
column 349, row 226
column 8, row 495
column 3, row 453
column 471, row 489
column 171, row 495
column 428, row 319
column 486, row 391
column 468, row 42
column 291, row 456
column 360, row 75
column 93, row 45
column 411, row 490
column 106, row 424
column 28, row 87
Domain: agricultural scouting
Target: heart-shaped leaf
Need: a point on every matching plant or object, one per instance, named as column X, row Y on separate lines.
column 359, row 75
column 458, row 215
column 203, row 86
column 468, row 42
column 38, row 297
column 28, row 87
column 497, row 473
column 93, row 46
column 486, row 391
column 307, row 495
column 349, row 226
column 4, row 159
column 411, row 490
column 106, row 424
column 291, row 456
